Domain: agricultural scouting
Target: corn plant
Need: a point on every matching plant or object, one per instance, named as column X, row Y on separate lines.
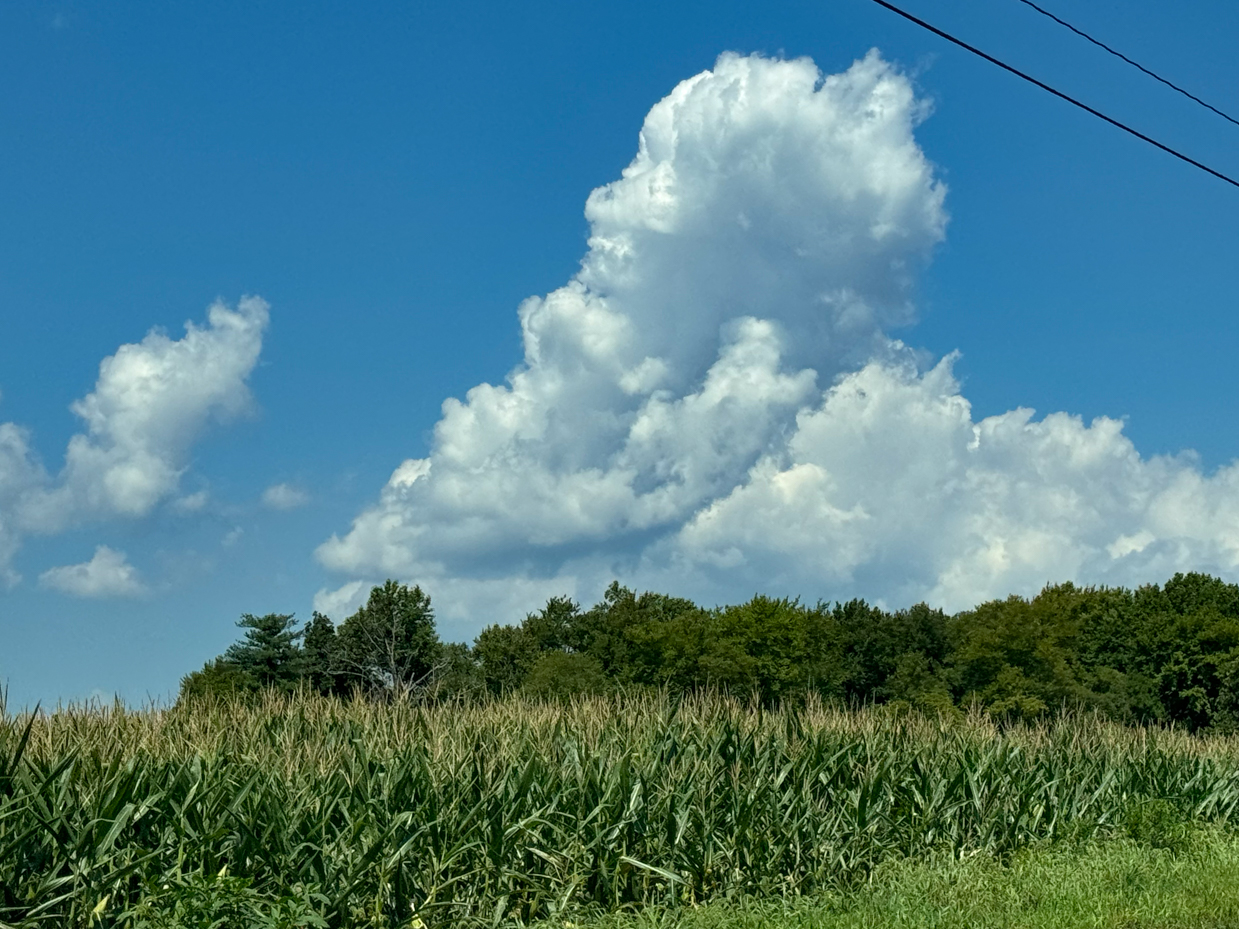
column 347, row 814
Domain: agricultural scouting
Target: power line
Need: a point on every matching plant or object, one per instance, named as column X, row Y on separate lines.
column 1134, row 64
column 1058, row 93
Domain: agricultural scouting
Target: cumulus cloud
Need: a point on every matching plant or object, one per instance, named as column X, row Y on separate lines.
column 770, row 217
column 890, row 485
column 714, row 404
column 107, row 574
column 19, row 473
column 284, row 497
column 151, row 401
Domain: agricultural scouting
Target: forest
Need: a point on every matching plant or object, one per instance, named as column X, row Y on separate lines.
column 1166, row 654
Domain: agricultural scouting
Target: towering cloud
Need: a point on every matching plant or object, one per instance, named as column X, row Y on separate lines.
column 150, row 403
column 714, row 404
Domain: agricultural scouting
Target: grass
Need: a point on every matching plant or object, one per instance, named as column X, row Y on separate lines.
column 1116, row 885
column 307, row 811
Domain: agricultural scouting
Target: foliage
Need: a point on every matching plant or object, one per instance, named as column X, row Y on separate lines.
column 390, row 644
column 366, row 813
column 616, row 629
column 562, row 675
column 1157, row 823
column 506, row 654
column 268, row 654
column 1155, row 654
column 219, row 678
column 458, row 676
column 198, row 901
column 321, row 659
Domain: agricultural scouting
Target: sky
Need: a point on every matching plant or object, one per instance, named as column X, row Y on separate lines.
column 514, row 300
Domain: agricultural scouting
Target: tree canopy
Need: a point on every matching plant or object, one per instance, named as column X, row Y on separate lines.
column 1166, row 653
column 389, row 644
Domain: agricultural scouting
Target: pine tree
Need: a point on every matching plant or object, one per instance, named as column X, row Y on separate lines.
column 320, row 661
column 269, row 653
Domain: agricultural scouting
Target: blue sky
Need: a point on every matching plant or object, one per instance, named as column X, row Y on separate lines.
column 394, row 183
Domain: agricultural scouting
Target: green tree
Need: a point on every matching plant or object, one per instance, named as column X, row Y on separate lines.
column 320, row 667
column 1193, row 631
column 1019, row 657
column 1113, row 651
column 681, row 652
column 390, row 644
column 1194, row 592
column 459, row 675
column 915, row 658
column 1165, row 653
column 218, row 678
column 772, row 637
column 561, row 675
column 621, row 632
column 269, row 653
column 760, row 647
column 870, row 645
column 551, row 628
column 506, row 654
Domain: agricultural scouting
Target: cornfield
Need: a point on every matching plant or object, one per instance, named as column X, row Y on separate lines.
column 509, row 812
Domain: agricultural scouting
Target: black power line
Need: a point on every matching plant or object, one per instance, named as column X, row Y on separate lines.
column 1058, row 93
column 1134, row 64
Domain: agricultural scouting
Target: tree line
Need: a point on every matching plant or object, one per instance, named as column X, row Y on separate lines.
column 1167, row 653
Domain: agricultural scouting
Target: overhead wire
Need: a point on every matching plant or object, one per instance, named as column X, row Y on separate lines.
column 1057, row 93
column 1135, row 64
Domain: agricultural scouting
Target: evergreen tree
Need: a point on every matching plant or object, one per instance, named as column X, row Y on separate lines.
column 269, row 652
column 320, row 661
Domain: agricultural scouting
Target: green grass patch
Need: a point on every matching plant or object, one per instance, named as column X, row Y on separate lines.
column 1118, row 884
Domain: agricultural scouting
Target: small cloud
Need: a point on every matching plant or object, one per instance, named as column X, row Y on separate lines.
column 231, row 536
column 193, row 503
column 150, row 403
column 107, row 574
column 60, row 21
column 343, row 601
column 284, row 497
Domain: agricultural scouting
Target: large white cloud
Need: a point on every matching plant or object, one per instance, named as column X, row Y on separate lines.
column 767, row 213
column 151, row 401
column 889, row 485
column 714, row 405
